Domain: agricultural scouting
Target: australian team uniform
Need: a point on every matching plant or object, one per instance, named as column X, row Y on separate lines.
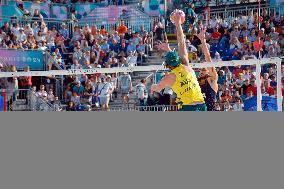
column 188, row 91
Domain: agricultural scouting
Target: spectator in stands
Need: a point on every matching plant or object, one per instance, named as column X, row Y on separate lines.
column 244, row 87
column 252, row 87
column 25, row 83
column 191, row 14
column 50, row 96
column 88, row 93
column 37, row 17
column 131, row 60
column 238, row 106
column 122, row 29
column 160, row 33
column 125, row 87
column 71, row 106
column 104, row 90
column 141, row 93
column 76, row 99
column 42, row 94
column 6, row 28
column 78, row 89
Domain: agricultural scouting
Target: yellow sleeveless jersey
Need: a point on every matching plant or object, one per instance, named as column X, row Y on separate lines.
column 186, row 87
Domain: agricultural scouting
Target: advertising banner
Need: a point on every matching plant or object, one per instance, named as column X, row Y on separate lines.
column 22, row 58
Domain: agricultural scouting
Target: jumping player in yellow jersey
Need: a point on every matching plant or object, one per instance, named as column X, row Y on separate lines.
column 182, row 78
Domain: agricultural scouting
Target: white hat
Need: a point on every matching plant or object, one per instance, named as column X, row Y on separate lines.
column 99, row 66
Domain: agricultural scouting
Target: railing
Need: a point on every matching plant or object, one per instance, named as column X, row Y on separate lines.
column 42, row 105
column 15, row 99
column 157, row 108
column 233, row 13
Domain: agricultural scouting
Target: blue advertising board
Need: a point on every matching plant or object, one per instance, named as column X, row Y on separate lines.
column 22, row 58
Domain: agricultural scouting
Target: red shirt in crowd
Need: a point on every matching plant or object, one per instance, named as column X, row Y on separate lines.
column 253, row 89
column 216, row 35
column 270, row 91
column 257, row 46
column 26, row 81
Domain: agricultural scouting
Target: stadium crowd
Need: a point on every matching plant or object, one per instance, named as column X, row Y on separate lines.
column 91, row 47
column 83, row 48
column 240, row 39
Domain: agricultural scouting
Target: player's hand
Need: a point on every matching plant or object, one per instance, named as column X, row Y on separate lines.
column 164, row 47
column 201, row 34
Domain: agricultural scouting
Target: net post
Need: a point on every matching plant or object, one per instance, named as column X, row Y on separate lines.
column 258, row 85
column 279, row 86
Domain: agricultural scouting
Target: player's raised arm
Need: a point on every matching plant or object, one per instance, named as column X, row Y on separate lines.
column 182, row 50
column 205, row 50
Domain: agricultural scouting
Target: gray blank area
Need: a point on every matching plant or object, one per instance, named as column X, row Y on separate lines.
column 148, row 151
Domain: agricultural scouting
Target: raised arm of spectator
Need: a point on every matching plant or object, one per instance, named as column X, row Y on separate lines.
column 182, row 51
column 212, row 71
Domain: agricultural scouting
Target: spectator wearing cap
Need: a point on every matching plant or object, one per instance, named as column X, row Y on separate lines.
column 217, row 57
column 78, row 88
column 64, row 31
column 52, row 61
column 273, row 34
column 22, row 36
column 78, row 54
column 221, row 77
column 116, row 36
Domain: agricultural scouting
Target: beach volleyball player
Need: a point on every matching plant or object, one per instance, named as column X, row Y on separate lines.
column 181, row 78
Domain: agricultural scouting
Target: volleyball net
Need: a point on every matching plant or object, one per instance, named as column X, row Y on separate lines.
column 256, row 62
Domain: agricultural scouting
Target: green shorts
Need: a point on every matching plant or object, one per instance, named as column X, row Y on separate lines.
column 194, row 108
